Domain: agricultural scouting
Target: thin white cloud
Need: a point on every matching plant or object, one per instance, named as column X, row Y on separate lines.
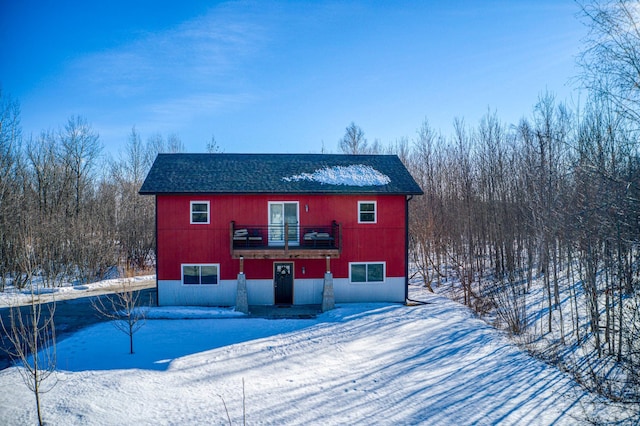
column 196, row 55
column 172, row 112
column 169, row 81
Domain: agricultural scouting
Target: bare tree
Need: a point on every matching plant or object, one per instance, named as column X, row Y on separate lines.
column 11, row 175
column 90, row 226
column 401, row 148
column 32, row 336
column 174, row 144
column 213, row 146
column 509, row 299
column 610, row 61
column 631, row 335
column 156, row 144
column 135, row 159
column 32, row 339
column 375, row 148
column 353, row 141
column 544, row 152
column 81, row 149
column 123, row 309
column 426, row 219
column 135, row 214
column 48, row 195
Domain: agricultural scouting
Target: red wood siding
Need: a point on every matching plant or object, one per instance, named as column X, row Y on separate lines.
column 181, row 242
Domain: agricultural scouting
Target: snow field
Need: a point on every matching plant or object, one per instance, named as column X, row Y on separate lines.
column 11, row 296
column 359, row 364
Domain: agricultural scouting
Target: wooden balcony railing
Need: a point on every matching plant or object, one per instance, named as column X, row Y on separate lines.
column 285, row 241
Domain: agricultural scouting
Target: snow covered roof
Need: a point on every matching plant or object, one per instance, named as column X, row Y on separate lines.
column 279, row 173
column 354, row 175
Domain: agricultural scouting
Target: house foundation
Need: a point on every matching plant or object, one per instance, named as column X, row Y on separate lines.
column 328, row 298
column 242, row 299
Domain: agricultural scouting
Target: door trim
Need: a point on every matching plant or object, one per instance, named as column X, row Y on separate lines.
column 275, row 272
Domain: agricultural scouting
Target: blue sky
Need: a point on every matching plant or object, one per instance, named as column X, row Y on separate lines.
column 282, row 76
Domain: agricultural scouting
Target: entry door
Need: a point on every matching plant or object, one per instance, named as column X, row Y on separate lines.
column 283, row 283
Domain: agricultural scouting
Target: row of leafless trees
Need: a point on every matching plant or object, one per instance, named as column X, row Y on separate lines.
column 67, row 211
column 555, row 199
column 557, row 196
column 549, row 206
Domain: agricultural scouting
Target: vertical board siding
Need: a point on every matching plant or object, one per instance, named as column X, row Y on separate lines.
column 180, row 242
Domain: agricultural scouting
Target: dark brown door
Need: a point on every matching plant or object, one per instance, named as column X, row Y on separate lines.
column 283, row 283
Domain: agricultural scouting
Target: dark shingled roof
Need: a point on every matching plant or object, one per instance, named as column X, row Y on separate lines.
column 264, row 173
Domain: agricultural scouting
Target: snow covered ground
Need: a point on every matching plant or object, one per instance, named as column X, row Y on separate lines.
column 358, row 364
column 12, row 296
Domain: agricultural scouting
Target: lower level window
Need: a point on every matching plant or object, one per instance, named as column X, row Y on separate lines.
column 200, row 274
column 366, row 272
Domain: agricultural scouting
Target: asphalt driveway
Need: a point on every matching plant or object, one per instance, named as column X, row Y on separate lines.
column 70, row 316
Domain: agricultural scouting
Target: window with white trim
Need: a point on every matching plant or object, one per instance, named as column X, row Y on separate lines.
column 367, row 212
column 366, row 272
column 199, row 212
column 284, row 214
column 200, row 274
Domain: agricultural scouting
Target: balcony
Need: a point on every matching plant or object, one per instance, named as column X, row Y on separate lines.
column 287, row 241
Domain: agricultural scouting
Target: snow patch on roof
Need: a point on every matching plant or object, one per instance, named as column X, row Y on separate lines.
column 354, row 175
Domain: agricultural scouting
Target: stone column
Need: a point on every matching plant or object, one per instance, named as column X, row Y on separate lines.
column 242, row 300
column 328, row 299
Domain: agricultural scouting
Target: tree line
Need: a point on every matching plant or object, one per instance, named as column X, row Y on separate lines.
column 66, row 210
column 553, row 200
column 550, row 204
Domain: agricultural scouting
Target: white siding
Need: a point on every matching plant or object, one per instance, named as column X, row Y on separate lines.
column 260, row 292
column 391, row 290
column 308, row 291
column 172, row 292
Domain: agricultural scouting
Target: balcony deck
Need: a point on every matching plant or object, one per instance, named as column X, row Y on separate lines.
column 268, row 242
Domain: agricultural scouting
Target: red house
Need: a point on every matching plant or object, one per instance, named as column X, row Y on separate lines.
column 265, row 229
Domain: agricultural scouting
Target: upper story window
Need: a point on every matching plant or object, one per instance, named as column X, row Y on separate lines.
column 283, row 215
column 200, row 212
column 367, row 212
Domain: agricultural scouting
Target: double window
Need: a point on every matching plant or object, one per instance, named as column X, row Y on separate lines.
column 371, row 272
column 199, row 212
column 200, row 274
column 367, row 212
